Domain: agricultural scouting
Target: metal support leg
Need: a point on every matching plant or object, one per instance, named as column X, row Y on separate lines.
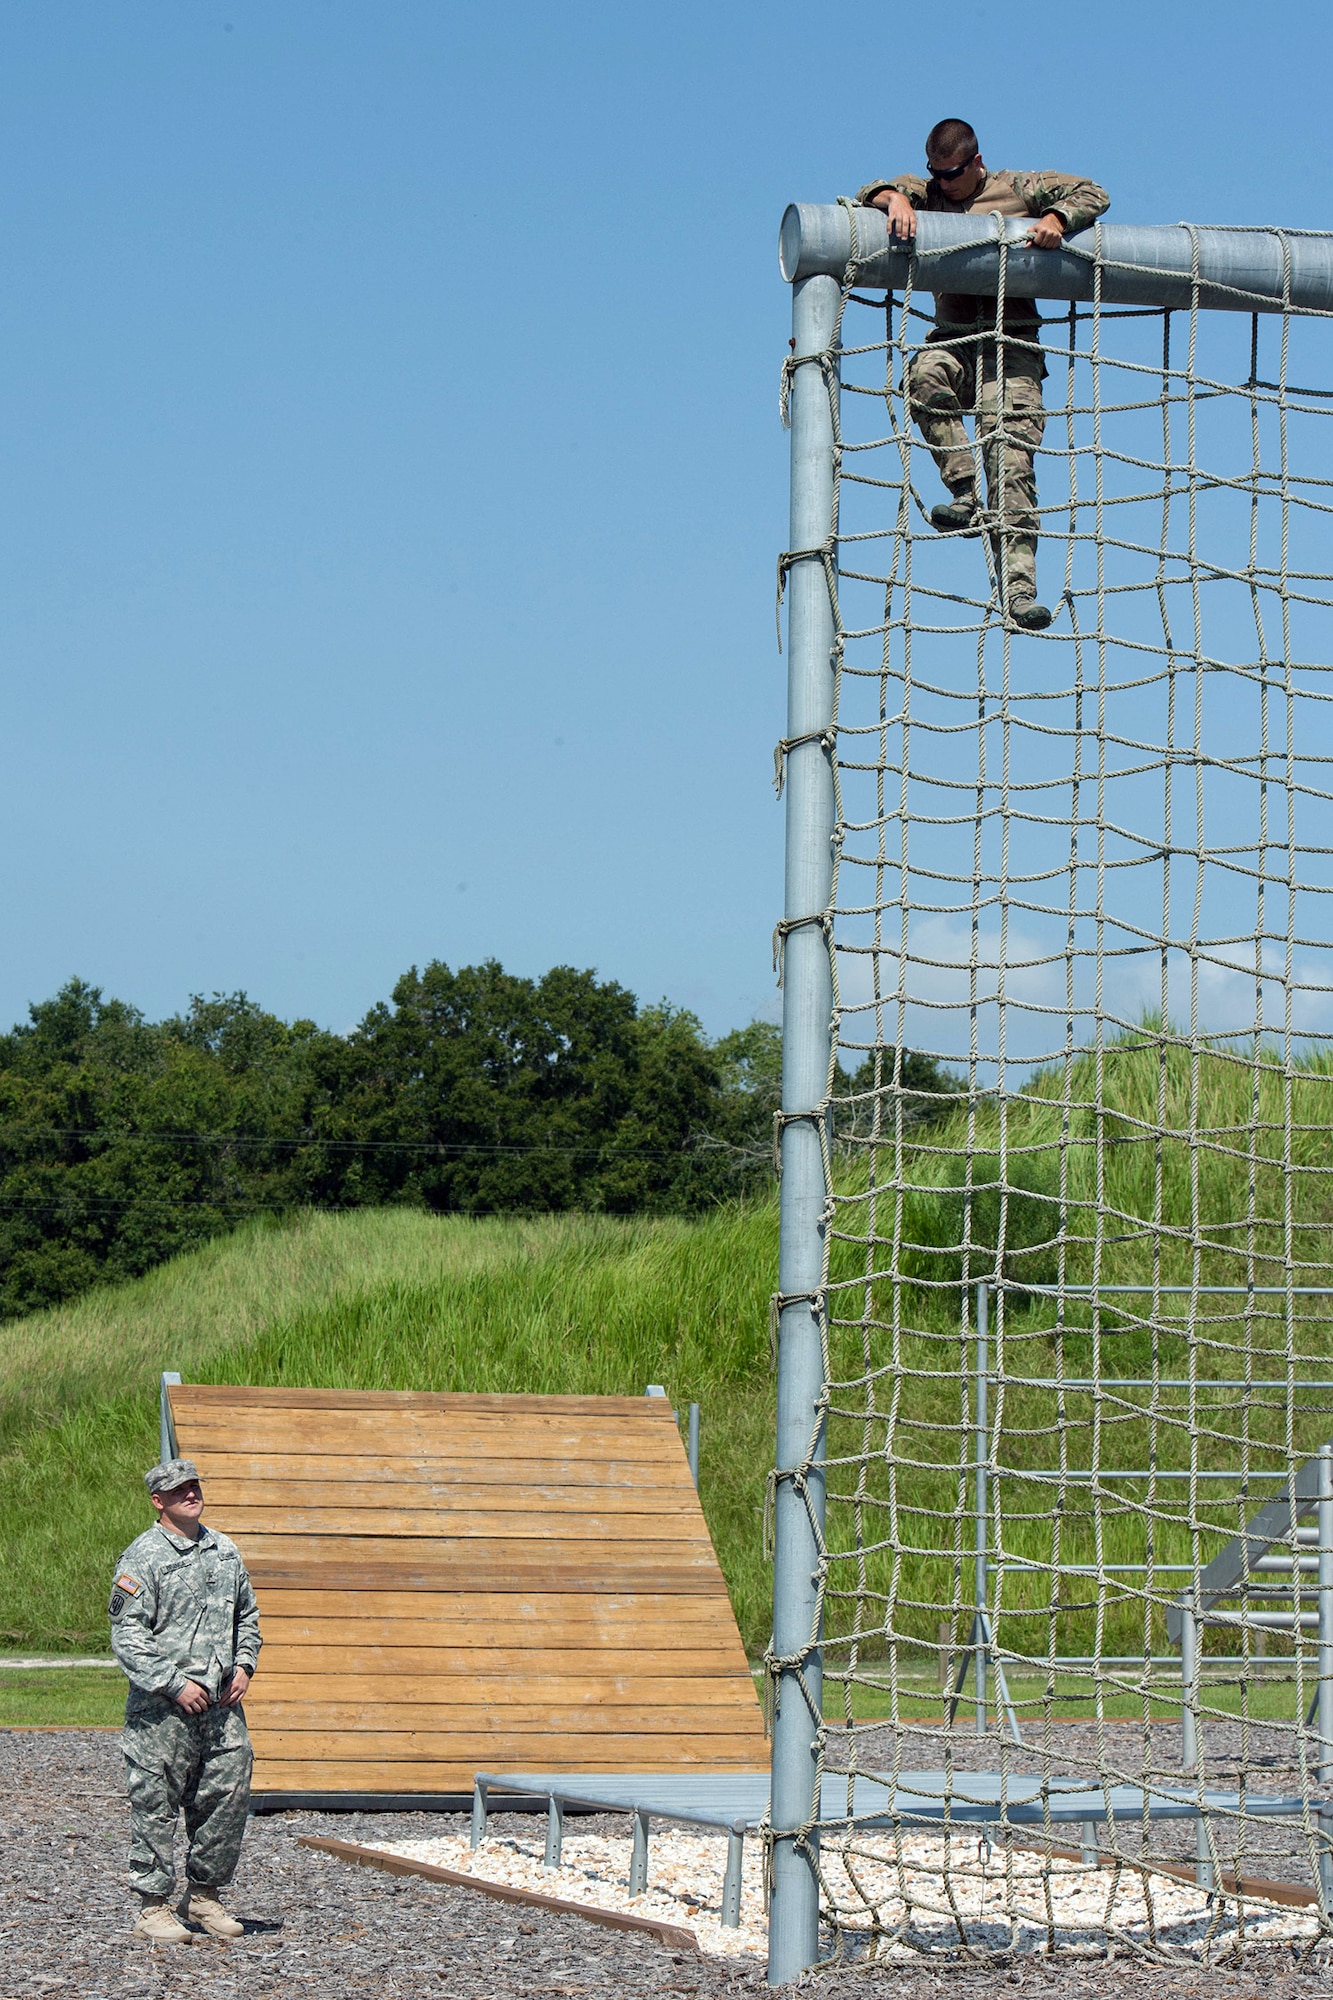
column 478, row 1813
column 1204, row 1873
column 555, row 1833
column 1325, row 1852
column 1089, row 1840
column 638, row 1864
column 1189, row 1690
column 807, row 1034
column 1325, row 1615
column 980, row 1632
column 731, row 1881
column 1189, row 1736
column 1324, row 1699
column 167, row 1429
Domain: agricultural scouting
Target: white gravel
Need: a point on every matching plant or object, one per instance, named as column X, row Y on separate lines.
column 1000, row 1900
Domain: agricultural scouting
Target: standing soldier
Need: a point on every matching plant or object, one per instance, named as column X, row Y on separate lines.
column 957, row 370
column 185, row 1628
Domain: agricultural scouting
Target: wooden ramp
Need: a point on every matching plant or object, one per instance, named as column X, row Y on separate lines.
column 450, row 1584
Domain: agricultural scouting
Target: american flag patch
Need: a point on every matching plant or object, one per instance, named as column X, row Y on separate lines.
column 129, row 1584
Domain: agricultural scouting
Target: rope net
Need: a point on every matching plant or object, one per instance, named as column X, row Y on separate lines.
column 1087, row 873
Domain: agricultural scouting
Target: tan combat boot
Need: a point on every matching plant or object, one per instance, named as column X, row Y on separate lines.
column 159, row 1924
column 203, row 1908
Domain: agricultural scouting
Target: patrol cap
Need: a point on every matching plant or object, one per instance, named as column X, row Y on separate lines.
column 172, row 1473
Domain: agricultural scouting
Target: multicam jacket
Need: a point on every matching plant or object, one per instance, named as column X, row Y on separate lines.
column 183, row 1611
column 1001, row 193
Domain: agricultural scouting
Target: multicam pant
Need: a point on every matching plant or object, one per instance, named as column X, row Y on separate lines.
column 199, row 1763
column 943, row 383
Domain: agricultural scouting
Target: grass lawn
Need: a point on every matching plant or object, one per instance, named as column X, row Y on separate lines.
column 70, row 1697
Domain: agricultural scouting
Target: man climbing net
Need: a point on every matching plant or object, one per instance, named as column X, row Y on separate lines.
column 966, row 366
column 1055, row 1374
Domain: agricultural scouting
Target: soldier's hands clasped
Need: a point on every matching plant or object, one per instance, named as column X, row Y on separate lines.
column 233, row 1694
column 193, row 1698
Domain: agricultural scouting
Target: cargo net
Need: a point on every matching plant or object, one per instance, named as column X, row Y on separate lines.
column 1077, row 1581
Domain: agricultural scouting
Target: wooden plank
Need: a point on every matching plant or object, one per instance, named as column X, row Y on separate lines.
column 580, row 1524
column 391, row 1427
column 485, row 1742
column 274, row 1774
column 574, row 1628
column 203, row 1396
column 487, row 1481
column 355, row 1615
column 434, row 1573
column 594, row 1648
column 349, row 1431
column 674, row 1936
column 732, row 1710
column 317, row 1547
column 369, row 1666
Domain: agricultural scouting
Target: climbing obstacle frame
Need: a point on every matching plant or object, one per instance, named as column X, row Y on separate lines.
column 449, row 1583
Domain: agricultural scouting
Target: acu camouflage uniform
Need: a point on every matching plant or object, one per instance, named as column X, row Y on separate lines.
column 181, row 1611
column 957, row 372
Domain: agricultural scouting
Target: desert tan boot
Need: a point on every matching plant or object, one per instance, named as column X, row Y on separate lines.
column 159, row 1924
column 203, row 1908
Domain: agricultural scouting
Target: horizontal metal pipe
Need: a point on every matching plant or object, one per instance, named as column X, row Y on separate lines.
column 1183, row 1291
column 1143, row 264
column 1013, row 1381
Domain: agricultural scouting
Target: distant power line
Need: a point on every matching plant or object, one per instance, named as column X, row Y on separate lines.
column 604, row 1150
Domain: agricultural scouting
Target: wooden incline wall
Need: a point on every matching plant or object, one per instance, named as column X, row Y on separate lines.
column 450, row 1584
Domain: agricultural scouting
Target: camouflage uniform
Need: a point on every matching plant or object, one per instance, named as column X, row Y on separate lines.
column 183, row 1610
column 943, row 376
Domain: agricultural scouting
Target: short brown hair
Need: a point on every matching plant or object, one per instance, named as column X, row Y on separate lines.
column 950, row 136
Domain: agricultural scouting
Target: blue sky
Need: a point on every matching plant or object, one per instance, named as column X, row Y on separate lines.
column 391, row 473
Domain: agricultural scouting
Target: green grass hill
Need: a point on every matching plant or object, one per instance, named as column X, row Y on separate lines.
column 379, row 1299
column 1218, row 1161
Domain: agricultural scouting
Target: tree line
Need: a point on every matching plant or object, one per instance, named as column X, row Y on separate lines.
column 124, row 1141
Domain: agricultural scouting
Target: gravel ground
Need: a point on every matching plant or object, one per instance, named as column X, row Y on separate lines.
column 318, row 1927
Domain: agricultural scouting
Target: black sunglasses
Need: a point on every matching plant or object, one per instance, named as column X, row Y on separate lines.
column 950, row 173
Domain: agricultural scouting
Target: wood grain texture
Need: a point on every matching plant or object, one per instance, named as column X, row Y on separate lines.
column 429, row 1573
column 452, row 1582
column 427, row 1775
column 404, row 1673
column 514, row 1705
column 206, row 1396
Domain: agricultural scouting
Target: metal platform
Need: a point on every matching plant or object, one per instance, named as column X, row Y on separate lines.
column 916, row 1801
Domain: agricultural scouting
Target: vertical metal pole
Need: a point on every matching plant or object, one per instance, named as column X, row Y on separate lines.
column 555, row 1832
column 638, row 1861
column 693, row 1446
column 1325, row 1695
column 731, row 1881
column 981, row 1627
column 807, row 1008
column 1189, row 1693
column 478, row 1813
column 1325, row 1710
column 1189, row 1735
column 167, row 1437
column 1088, row 1843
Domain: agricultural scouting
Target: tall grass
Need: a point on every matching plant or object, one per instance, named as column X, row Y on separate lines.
column 386, row 1298
column 1146, row 1160
column 1147, row 1163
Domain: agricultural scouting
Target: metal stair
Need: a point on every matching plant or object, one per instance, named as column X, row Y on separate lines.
column 1238, row 1589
